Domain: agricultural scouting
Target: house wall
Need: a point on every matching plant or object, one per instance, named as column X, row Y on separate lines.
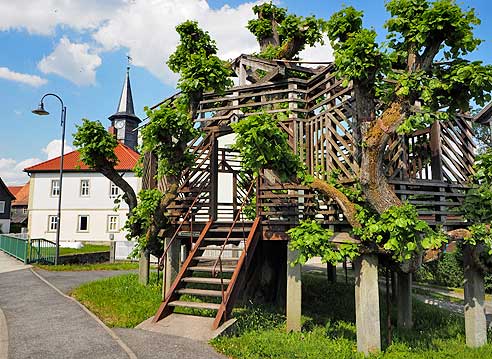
column 98, row 206
column 5, row 214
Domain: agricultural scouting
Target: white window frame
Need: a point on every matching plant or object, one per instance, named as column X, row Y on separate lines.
column 24, row 210
column 83, row 188
column 2, row 206
column 114, row 190
column 52, row 223
column 55, row 189
column 115, row 223
column 79, row 223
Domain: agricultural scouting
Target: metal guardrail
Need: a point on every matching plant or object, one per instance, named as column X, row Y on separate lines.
column 36, row 250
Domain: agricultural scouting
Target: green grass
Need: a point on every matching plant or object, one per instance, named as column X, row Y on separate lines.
column 120, row 301
column 328, row 323
column 88, row 267
column 329, row 330
column 87, row 248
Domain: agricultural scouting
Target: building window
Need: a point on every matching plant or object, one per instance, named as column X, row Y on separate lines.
column 114, row 190
column 55, row 188
column 113, row 223
column 52, row 223
column 2, row 206
column 84, row 188
column 83, row 224
column 24, row 210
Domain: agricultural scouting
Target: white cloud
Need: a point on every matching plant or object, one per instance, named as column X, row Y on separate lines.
column 322, row 53
column 43, row 16
column 12, row 171
column 75, row 62
column 32, row 80
column 152, row 40
column 53, row 149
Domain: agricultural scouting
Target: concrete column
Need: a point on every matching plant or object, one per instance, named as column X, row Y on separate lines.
column 405, row 319
column 331, row 272
column 475, row 321
column 367, row 304
column 144, row 267
column 293, row 301
column 171, row 265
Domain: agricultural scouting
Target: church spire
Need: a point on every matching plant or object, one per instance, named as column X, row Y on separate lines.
column 124, row 122
column 125, row 105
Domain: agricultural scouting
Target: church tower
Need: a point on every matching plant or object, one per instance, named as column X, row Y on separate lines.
column 124, row 121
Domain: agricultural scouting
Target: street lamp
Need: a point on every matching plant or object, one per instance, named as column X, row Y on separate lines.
column 42, row 112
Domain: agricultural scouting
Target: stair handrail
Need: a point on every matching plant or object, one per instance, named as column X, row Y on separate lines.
column 218, row 261
column 197, row 198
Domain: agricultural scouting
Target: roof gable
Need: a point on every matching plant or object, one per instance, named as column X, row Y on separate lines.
column 6, row 189
column 127, row 159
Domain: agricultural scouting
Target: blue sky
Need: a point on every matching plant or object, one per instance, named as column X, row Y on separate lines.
column 78, row 50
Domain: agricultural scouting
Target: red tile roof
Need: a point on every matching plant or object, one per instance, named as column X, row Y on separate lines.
column 127, row 159
column 14, row 189
column 21, row 196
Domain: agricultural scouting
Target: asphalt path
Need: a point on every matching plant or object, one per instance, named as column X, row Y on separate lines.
column 38, row 320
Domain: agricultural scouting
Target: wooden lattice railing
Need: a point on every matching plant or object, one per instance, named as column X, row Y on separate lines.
column 428, row 168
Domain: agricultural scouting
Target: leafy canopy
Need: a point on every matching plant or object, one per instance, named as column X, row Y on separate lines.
column 166, row 135
column 95, row 144
column 477, row 205
column 196, row 61
column 419, row 32
column 293, row 32
column 263, row 145
column 399, row 231
column 312, row 240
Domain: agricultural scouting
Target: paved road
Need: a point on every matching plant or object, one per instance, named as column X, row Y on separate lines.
column 43, row 323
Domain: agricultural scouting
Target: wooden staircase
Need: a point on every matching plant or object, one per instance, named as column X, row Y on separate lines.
column 214, row 271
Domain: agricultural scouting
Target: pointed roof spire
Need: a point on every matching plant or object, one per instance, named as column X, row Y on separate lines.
column 125, row 105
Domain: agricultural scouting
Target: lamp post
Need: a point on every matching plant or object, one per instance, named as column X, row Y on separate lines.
column 42, row 112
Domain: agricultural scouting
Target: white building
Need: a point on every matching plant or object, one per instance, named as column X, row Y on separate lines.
column 88, row 198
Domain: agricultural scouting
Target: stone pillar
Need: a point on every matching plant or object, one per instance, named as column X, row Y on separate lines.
column 331, row 271
column 293, row 300
column 144, row 267
column 404, row 299
column 112, row 248
column 475, row 321
column 171, row 265
column 367, row 304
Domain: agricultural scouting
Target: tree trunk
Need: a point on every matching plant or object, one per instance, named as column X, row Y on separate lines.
column 373, row 179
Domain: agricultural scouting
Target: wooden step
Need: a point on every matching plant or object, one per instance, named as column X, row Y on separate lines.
column 226, row 229
column 204, row 258
column 222, row 240
column 209, row 269
column 202, row 280
column 197, row 305
column 200, row 292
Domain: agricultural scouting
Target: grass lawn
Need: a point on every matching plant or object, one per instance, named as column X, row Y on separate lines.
column 328, row 323
column 120, row 301
column 87, row 267
column 87, row 248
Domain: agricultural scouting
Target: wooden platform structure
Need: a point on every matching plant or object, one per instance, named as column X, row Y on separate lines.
column 428, row 168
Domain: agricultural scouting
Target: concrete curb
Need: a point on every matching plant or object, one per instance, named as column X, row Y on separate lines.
column 115, row 337
column 4, row 336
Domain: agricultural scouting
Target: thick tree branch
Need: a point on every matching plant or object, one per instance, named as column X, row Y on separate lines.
column 347, row 206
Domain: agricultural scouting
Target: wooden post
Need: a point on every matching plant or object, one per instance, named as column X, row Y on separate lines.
column 214, row 178
column 144, row 267
column 171, row 266
column 294, row 300
column 367, row 304
column 475, row 320
column 404, row 299
column 331, row 272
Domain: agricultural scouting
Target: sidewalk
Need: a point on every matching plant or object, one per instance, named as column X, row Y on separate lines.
column 44, row 323
column 9, row 264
